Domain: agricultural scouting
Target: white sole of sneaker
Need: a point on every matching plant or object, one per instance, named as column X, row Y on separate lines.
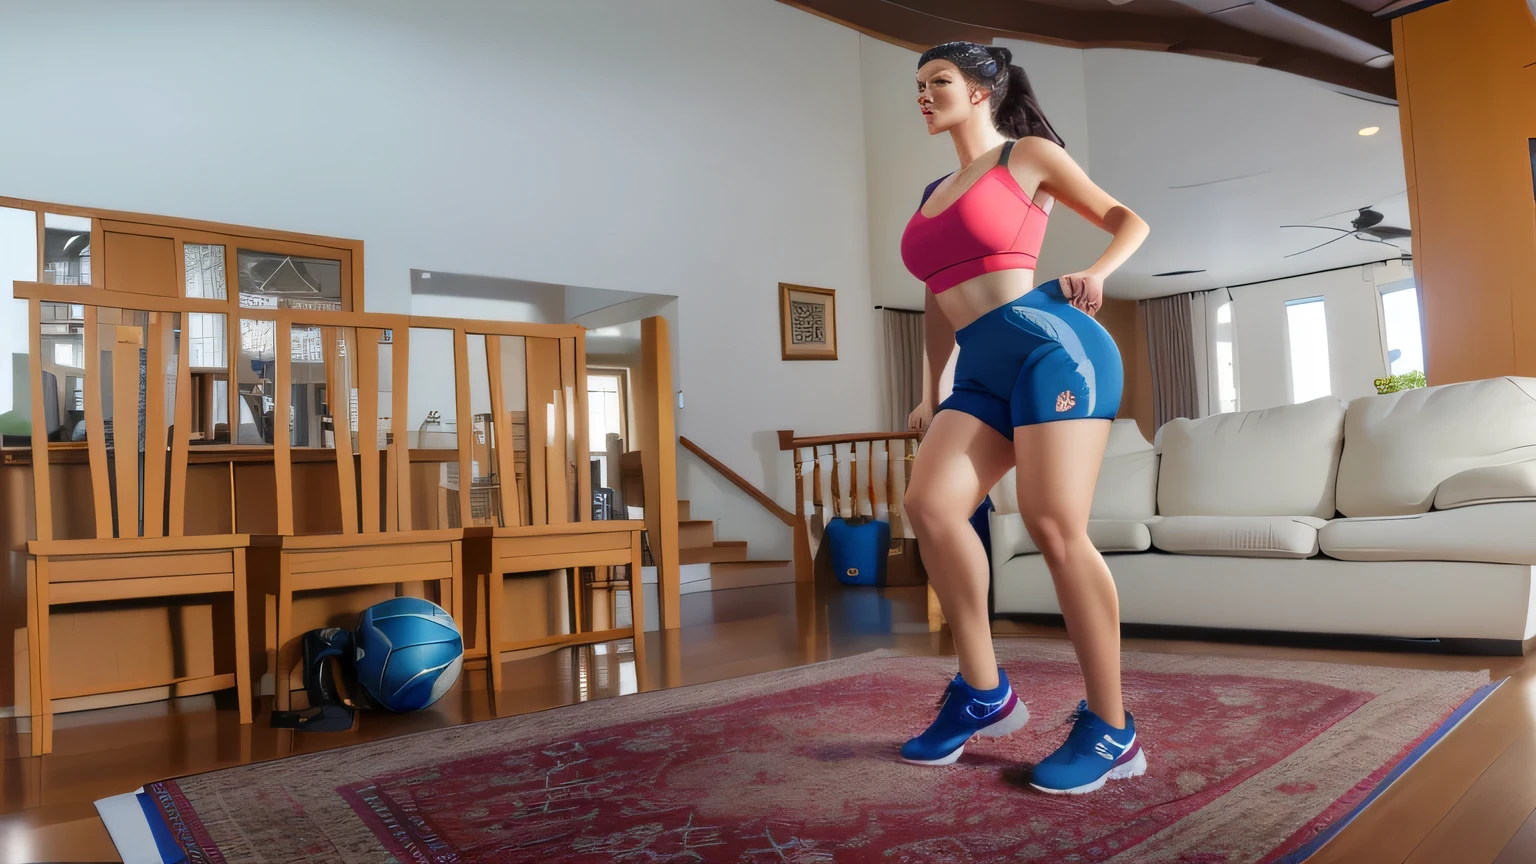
column 951, row 759
column 1016, row 720
column 1134, row 768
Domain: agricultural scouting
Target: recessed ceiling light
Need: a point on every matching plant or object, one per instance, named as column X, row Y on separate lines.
column 1370, row 130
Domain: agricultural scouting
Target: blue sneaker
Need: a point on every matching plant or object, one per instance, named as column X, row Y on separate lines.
column 964, row 713
column 1095, row 752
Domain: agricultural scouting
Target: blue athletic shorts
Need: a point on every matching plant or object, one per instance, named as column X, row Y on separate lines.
column 1034, row 360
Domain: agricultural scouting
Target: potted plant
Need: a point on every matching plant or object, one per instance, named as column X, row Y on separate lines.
column 1405, row 381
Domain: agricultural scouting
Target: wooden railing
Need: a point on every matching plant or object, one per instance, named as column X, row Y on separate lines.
column 739, row 482
column 816, row 493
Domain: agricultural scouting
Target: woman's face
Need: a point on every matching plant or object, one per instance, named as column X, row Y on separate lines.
column 944, row 96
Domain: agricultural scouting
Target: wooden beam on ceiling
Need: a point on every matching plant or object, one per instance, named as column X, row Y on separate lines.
column 1347, row 19
column 895, row 24
column 917, row 24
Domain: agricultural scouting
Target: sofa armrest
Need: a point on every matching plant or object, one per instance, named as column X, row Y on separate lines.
column 1513, row 481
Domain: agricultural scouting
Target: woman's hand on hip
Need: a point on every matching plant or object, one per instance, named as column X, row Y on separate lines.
column 1085, row 290
column 921, row 417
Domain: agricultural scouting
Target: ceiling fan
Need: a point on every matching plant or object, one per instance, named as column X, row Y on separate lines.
column 1366, row 226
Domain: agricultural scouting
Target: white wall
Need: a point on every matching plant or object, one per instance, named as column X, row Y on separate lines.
column 432, row 361
column 532, row 311
column 18, row 262
column 900, row 159
column 707, row 149
column 1352, row 309
column 456, row 295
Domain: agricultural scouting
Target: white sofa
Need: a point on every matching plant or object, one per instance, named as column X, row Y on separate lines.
column 1406, row 515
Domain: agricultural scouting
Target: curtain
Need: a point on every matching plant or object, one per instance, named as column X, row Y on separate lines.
column 1202, row 317
column 903, row 366
column 1171, row 349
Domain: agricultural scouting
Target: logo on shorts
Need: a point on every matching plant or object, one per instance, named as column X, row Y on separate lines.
column 1065, row 401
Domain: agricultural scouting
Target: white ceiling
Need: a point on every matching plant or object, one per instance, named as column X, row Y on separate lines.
column 622, row 339
column 1216, row 155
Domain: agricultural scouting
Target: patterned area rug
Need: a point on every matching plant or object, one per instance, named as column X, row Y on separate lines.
column 1250, row 761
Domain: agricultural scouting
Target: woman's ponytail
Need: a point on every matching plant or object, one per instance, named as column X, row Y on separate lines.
column 1015, row 111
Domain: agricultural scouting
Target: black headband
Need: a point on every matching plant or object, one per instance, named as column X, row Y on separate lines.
column 978, row 60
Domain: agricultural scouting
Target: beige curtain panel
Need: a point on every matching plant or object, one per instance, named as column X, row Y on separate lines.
column 903, row 365
column 1171, row 346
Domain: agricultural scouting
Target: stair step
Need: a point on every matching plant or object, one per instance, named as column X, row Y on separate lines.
column 684, row 511
column 696, row 575
column 695, row 534
column 749, row 574
column 723, row 550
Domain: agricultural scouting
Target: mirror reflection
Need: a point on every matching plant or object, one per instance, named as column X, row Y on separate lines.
column 324, row 388
column 66, row 249
column 62, row 377
column 254, row 375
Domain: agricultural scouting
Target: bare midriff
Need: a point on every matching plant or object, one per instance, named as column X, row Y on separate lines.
column 975, row 297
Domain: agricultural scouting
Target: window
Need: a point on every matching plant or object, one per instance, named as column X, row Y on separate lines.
column 205, row 340
column 66, row 249
column 1400, row 316
column 68, row 354
column 1226, row 360
column 605, row 414
column 205, row 271
column 1307, row 326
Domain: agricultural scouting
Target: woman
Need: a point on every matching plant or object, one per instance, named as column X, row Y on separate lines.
column 1037, row 384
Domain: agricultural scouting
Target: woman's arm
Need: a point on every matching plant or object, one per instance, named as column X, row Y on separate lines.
column 1066, row 181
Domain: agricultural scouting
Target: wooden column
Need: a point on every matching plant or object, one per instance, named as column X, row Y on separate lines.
column 656, row 439
column 1466, row 88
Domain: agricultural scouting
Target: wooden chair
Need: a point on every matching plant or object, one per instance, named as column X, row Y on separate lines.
column 136, row 361
column 377, row 543
column 528, row 464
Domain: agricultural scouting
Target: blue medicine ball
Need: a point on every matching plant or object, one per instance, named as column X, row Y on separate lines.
column 408, row 653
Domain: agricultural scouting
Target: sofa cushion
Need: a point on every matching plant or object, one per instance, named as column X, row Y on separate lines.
column 1513, row 482
column 1010, row 538
column 1238, row 536
column 1127, row 487
column 1400, row 447
column 1276, row 462
column 1490, row 533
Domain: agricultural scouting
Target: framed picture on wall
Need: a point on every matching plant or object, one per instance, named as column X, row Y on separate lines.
column 807, row 322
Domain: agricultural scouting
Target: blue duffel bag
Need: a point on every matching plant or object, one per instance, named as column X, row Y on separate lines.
column 858, row 549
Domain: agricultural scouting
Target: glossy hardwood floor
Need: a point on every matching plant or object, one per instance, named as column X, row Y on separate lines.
column 1471, row 800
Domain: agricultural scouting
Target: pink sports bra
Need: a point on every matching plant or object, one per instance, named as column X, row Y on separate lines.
column 992, row 226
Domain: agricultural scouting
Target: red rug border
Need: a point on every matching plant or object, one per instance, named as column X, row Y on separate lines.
column 1379, row 781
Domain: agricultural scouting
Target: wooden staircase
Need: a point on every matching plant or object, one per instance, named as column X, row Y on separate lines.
column 727, row 559
column 698, row 547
